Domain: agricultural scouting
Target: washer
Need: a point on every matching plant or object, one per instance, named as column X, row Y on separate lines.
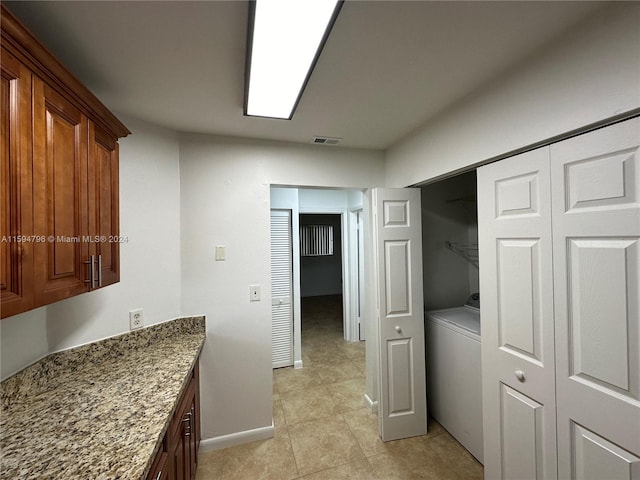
column 454, row 374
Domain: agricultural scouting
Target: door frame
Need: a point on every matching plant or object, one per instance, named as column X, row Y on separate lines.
column 356, row 271
column 348, row 319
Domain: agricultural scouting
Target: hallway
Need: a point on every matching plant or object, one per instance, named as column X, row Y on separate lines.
column 322, row 429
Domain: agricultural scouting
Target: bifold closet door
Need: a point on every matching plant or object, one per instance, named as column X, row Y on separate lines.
column 516, row 284
column 402, row 410
column 596, row 230
column 281, row 289
column 581, row 289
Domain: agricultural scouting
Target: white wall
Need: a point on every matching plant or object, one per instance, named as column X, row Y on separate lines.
column 226, row 201
column 314, row 200
column 591, row 74
column 24, row 340
column 150, row 260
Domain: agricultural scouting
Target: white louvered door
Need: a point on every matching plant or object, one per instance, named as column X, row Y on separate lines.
column 281, row 289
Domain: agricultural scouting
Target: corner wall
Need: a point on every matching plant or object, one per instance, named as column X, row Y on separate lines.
column 226, row 201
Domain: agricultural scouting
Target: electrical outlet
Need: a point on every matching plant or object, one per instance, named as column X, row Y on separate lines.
column 254, row 293
column 136, row 319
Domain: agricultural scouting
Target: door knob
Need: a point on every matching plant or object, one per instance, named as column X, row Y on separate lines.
column 398, row 329
column 519, row 375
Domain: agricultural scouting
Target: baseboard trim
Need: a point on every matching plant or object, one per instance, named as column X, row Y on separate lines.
column 224, row 441
column 297, row 364
column 370, row 404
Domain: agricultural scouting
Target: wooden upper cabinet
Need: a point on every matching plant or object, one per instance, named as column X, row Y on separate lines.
column 60, row 196
column 16, row 255
column 104, row 225
column 59, row 174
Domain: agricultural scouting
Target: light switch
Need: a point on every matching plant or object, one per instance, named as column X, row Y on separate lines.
column 220, row 254
column 254, row 293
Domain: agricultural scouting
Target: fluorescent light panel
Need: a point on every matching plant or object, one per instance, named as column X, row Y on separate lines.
column 287, row 37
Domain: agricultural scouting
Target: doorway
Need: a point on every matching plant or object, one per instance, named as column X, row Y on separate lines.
column 340, row 205
column 321, row 269
column 452, row 308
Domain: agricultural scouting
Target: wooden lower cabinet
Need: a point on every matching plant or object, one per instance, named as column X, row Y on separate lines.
column 178, row 457
column 160, row 468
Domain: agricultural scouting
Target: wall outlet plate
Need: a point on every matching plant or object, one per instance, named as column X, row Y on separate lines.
column 136, row 319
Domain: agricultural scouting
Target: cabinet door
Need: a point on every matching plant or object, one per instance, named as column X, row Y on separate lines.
column 161, row 464
column 178, row 460
column 104, row 225
column 516, row 283
column 596, row 256
column 193, row 440
column 16, row 258
column 60, row 196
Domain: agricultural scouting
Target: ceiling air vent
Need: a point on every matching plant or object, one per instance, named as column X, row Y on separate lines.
column 326, row 140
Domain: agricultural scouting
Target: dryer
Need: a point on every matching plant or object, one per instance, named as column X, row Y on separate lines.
column 454, row 374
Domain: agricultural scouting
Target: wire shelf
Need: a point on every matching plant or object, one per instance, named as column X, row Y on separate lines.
column 468, row 251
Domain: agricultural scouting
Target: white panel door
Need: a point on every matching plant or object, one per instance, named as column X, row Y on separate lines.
column 398, row 245
column 514, row 233
column 596, row 234
column 281, row 289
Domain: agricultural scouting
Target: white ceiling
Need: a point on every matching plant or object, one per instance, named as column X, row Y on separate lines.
column 387, row 67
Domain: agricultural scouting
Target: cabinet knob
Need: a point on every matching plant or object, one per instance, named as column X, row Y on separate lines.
column 519, row 375
column 398, row 329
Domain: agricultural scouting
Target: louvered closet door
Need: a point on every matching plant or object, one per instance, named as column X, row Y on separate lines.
column 281, row 289
column 596, row 230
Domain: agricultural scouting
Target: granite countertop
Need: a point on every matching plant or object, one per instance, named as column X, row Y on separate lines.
column 98, row 411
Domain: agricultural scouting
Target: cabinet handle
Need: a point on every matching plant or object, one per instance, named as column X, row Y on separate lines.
column 187, row 418
column 91, row 262
column 159, row 475
column 100, row 270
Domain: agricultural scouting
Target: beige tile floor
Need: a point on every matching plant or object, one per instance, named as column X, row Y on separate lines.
column 322, row 429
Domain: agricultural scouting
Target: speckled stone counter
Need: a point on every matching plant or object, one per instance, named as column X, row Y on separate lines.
column 98, row 411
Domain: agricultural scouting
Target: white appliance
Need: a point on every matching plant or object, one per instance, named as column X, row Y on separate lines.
column 454, row 374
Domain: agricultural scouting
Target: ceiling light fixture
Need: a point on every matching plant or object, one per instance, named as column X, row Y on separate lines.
column 285, row 38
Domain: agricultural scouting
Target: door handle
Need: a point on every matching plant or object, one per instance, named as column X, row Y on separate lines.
column 91, row 262
column 100, row 270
